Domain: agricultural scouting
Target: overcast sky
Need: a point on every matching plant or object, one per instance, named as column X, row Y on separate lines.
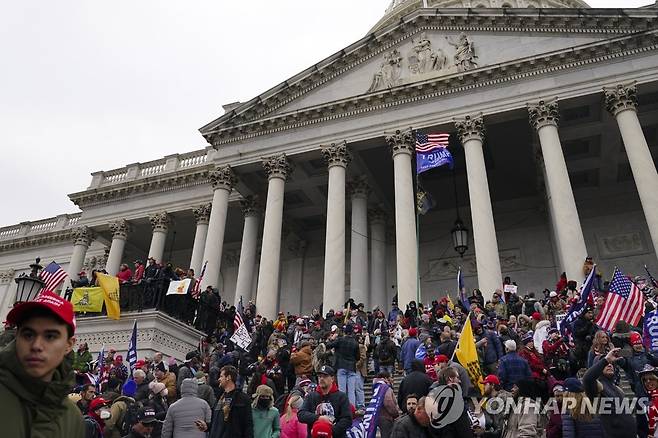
column 91, row 85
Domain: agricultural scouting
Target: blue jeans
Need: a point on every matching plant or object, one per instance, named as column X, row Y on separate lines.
column 347, row 383
column 360, row 393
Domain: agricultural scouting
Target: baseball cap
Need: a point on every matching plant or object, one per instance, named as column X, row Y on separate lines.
column 492, row 380
column 140, row 363
column 98, row 402
column 322, row 429
column 635, row 338
column 47, row 300
column 326, row 369
column 146, row 415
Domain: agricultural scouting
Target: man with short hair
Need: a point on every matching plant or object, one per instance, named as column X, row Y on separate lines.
column 87, row 394
column 347, row 354
column 415, row 382
column 327, row 404
column 512, row 368
column 35, row 378
column 142, row 391
column 232, row 417
column 413, row 425
column 146, row 421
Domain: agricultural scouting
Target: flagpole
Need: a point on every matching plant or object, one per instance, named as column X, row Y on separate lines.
column 415, row 170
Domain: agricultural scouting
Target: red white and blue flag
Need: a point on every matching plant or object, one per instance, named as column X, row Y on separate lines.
column 432, row 151
column 53, row 275
column 624, row 302
column 196, row 290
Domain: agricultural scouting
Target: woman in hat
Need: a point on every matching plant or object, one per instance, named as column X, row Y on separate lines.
column 578, row 420
column 264, row 414
column 158, row 402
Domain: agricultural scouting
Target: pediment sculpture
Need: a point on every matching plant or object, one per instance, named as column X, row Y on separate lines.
column 424, row 62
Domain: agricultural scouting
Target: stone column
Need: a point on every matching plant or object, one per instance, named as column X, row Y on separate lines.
column 359, row 191
column 222, row 180
column 202, row 217
column 277, row 168
column 378, row 288
column 83, row 237
column 160, row 224
column 544, row 117
column 406, row 245
column 245, row 281
column 120, row 230
column 333, row 290
column 621, row 101
column 471, row 132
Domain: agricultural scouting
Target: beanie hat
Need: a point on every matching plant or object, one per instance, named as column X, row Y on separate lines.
column 441, row 358
column 572, row 384
column 297, row 403
column 536, row 316
column 413, row 332
column 157, row 387
column 510, row 345
column 635, row 338
column 129, row 388
column 160, row 367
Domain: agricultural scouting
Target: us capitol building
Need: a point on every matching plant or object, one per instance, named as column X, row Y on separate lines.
column 304, row 195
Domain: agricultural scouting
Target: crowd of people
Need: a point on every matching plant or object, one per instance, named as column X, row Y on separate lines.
column 305, row 375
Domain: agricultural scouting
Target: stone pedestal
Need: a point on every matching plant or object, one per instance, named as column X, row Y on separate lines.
column 156, row 331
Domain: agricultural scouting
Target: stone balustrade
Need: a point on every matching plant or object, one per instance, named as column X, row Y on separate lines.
column 61, row 222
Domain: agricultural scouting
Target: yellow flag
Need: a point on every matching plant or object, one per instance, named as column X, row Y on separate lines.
column 110, row 286
column 467, row 355
column 451, row 305
column 87, row 299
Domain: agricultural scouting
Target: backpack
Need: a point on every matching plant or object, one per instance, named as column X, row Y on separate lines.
column 384, row 353
column 129, row 417
column 529, row 307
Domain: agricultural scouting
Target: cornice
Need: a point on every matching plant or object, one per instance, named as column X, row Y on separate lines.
column 38, row 240
column 593, row 21
column 130, row 189
column 570, row 58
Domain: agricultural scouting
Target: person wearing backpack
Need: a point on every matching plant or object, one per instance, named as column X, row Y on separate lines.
column 386, row 352
column 124, row 412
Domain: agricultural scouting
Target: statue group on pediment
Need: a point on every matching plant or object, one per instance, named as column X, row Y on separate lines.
column 424, row 61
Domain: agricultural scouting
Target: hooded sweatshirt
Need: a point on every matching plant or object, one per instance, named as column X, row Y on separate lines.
column 36, row 408
column 339, row 404
column 179, row 422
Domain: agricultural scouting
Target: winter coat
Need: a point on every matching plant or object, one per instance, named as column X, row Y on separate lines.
column 114, row 423
column 238, row 423
column 535, row 361
column 581, row 429
column 416, row 382
column 340, row 404
column 302, row 361
column 408, row 352
column 386, row 352
column 494, row 350
column 81, row 361
column 291, row 427
column 184, row 372
column 389, row 410
column 142, row 391
column 34, row 408
column 179, row 422
column 169, row 379
column 525, row 424
column 615, row 424
column 347, row 353
column 205, row 392
column 407, row 427
column 633, row 365
column 511, row 369
column 266, row 422
column 362, row 363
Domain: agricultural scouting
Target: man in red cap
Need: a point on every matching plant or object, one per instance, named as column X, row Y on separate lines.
column 34, row 377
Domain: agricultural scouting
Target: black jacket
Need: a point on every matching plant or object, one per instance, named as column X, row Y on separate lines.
column 347, row 353
column 340, row 404
column 416, row 382
column 407, row 427
column 239, row 423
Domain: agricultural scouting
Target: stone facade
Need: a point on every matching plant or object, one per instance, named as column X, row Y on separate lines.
column 552, row 121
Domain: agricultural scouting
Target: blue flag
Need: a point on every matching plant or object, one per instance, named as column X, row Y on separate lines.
column 132, row 349
column 650, row 338
column 432, row 151
column 462, row 290
column 578, row 308
column 366, row 427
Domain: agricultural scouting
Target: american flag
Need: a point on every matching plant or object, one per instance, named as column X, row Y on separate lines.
column 53, row 275
column 462, row 290
column 103, row 376
column 238, row 321
column 196, row 290
column 132, row 349
column 428, row 142
column 653, row 281
column 624, row 302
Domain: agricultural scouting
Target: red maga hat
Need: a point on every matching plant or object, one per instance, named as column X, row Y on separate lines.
column 47, row 300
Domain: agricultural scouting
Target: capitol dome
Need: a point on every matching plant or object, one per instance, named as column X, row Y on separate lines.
column 399, row 8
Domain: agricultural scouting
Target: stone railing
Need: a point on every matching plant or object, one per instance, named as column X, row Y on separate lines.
column 137, row 171
column 25, row 229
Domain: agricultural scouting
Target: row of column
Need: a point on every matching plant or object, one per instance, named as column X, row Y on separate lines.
column 621, row 101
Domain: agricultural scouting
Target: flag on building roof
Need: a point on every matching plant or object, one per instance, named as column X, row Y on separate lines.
column 196, row 290
column 432, row 151
column 53, row 275
column 579, row 307
column 624, row 302
column 132, row 349
column 462, row 290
